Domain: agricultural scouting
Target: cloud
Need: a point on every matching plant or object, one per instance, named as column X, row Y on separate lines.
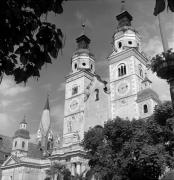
column 4, row 103
column 61, row 87
column 153, row 46
column 9, row 88
column 47, row 87
column 25, row 106
column 7, row 124
column 160, row 86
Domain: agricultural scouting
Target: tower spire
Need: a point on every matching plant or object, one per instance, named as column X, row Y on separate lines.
column 83, row 28
column 122, row 5
column 124, row 18
column 47, row 105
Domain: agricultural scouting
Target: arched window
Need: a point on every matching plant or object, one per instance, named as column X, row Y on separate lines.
column 121, row 69
column 15, row 143
column 75, row 65
column 23, row 144
column 97, row 94
column 119, row 44
column 145, row 108
column 140, row 70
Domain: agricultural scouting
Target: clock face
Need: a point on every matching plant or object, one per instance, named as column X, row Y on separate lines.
column 74, row 105
column 123, row 88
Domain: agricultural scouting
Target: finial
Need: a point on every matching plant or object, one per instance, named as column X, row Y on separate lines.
column 24, row 120
column 122, row 5
column 83, row 28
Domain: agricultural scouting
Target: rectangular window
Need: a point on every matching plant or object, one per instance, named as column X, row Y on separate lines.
column 74, row 90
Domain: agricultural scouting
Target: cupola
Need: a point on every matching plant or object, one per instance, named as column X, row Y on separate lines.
column 82, row 58
column 20, row 139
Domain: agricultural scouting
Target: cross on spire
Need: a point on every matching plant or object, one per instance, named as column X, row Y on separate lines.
column 83, row 28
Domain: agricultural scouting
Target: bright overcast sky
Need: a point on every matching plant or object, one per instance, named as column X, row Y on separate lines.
column 19, row 100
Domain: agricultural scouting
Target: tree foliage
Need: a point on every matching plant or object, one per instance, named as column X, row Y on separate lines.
column 59, row 170
column 130, row 150
column 27, row 41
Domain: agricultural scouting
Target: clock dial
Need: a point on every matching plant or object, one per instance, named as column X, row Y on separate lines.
column 74, row 104
column 123, row 88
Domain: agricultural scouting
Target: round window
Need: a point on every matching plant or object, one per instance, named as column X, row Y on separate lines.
column 84, row 64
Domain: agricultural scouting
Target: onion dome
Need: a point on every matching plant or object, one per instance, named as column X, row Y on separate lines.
column 146, row 94
column 22, row 133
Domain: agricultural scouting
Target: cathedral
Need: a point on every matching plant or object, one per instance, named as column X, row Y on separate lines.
column 89, row 101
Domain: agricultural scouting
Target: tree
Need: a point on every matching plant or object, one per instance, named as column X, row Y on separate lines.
column 161, row 5
column 27, row 41
column 58, row 170
column 130, row 150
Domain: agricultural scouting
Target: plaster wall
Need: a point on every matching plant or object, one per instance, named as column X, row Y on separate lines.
column 96, row 110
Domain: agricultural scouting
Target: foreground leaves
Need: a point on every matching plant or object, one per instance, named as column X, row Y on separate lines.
column 132, row 150
column 27, row 42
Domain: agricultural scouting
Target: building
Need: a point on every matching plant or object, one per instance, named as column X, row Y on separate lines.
column 89, row 101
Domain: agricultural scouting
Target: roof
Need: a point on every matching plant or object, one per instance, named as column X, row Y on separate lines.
column 5, row 143
column 83, row 38
column 23, row 133
column 124, row 14
column 146, row 94
column 146, row 79
column 34, row 151
column 5, row 147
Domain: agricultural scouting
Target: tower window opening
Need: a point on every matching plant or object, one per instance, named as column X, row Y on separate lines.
column 75, row 65
column 119, row 44
column 130, row 42
column 84, row 64
column 23, row 144
column 97, row 95
column 91, row 66
column 145, row 108
column 15, row 143
column 69, row 126
column 121, row 70
column 74, row 90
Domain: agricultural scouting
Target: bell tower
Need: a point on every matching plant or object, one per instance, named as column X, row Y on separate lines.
column 83, row 72
column 127, row 67
column 20, row 140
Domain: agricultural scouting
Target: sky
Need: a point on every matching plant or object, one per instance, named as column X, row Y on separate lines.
column 99, row 17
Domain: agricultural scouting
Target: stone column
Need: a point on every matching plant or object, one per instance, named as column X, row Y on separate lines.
column 78, row 168
column 73, row 169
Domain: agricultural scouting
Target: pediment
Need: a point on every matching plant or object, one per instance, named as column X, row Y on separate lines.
column 12, row 160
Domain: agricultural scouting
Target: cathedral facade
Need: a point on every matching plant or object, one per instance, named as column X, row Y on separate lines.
column 89, row 101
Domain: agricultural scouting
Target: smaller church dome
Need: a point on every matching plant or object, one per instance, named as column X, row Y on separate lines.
column 22, row 133
column 146, row 94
